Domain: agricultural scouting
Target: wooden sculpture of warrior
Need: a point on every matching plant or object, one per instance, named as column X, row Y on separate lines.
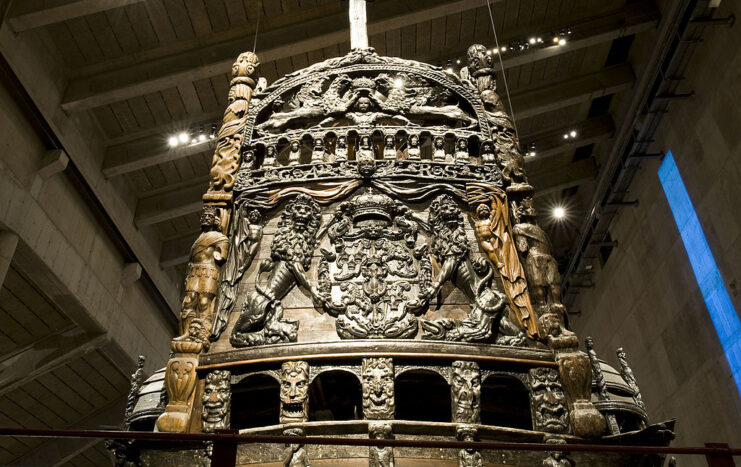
column 202, row 280
column 226, row 156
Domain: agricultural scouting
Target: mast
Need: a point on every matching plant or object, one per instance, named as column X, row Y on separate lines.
column 358, row 23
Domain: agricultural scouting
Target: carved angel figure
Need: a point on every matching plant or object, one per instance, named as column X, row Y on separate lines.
column 261, row 321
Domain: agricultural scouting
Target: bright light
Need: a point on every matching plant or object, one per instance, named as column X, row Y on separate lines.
column 503, row 49
column 211, row 136
column 532, row 40
column 398, row 82
column 193, row 141
column 449, row 69
column 572, row 134
column 495, row 51
column 559, row 212
column 531, row 154
column 173, row 141
column 565, row 136
column 201, row 137
column 555, row 39
column 458, row 61
column 488, row 52
column 561, row 41
column 540, row 40
column 183, row 137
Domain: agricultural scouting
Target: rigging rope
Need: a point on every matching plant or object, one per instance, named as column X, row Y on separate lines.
column 501, row 64
column 257, row 26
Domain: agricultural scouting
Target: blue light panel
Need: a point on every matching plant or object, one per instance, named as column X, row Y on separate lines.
column 719, row 304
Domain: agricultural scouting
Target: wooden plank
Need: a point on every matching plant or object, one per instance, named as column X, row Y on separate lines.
column 190, row 99
column 468, row 24
column 32, row 297
column 161, row 24
column 123, row 32
column 14, row 329
column 179, row 18
column 117, row 377
column 63, row 12
column 141, row 112
column 37, row 408
column 437, row 33
column 21, row 415
column 423, row 37
column 198, row 17
column 408, row 41
column 125, row 116
column 104, row 35
column 62, row 388
column 157, row 107
column 206, row 95
column 236, row 13
column 85, row 39
column 217, row 14
column 144, row 31
column 174, row 103
column 452, row 29
column 66, row 45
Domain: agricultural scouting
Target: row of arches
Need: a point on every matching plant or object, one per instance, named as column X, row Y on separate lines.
column 421, row 395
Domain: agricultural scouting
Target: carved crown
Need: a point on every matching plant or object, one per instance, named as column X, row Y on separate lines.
column 363, row 83
column 372, row 205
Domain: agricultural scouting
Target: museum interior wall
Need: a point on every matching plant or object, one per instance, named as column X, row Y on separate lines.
column 645, row 297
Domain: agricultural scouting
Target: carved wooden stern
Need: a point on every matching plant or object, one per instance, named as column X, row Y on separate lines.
column 371, row 266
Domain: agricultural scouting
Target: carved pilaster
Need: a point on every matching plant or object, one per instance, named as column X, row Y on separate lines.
column 380, row 456
column 216, row 401
column 468, row 457
column 465, row 391
column 294, row 392
column 377, row 376
column 294, row 455
column 576, row 377
column 548, row 401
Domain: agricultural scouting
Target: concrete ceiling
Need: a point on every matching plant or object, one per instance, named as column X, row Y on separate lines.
column 115, row 78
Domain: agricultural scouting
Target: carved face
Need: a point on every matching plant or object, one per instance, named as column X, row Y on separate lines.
column 389, row 141
column 487, row 147
column 254, row 216
column 301, row 213
column 245, row 64
column 364, row 104
column 294, row 392
column 414, row 140
column 318, row 144
column 444, row 208
column 462, row 144
column 466, row 392
column 439, row 143
column 483, row 211
column 270, row 151
column 477, row 57
column 209, row 220
column 216, row 401
column 341, row 142
column 549, row 401
column 377, row 375
column 294, row 146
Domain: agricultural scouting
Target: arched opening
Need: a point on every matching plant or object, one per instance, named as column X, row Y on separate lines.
column 422, row 395
column 255, row 402
column 505, row 401
column 335, row 395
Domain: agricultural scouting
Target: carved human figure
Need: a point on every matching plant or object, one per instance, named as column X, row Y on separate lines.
column 202, row 278
column 294, row 392
column 487, row 152
column 413, row 150
column 479, row 71
column 556, row 458
column 216, row 401
column 377, row 376
column 627, row 373
column 294, row 152
column 380, row 456
column 461, row 151
column 389, row 147
column 226, row 157
column 364, row 151
column 468, row 457
column 548, row 401
column 511, row 162
column 245, row 241
column 542, row 270
column 317, row 151
column 261, row 320
column 494, row 232
column 465, row 392
column 270, row 154
column 340, row 151
column 294, row 455
column 135, row 384
column 438, row 149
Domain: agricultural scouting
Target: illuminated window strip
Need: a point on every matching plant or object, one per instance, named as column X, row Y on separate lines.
column 720, row 307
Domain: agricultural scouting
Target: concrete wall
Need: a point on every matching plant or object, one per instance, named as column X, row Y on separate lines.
column 646, row 298
column 68, row 254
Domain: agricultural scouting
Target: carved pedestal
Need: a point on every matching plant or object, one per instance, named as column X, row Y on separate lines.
column 576, row 376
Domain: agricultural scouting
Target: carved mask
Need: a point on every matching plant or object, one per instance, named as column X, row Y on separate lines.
column 294, row 392
column 549, row 401
column 466, row 392
column 377, row 375
column 216, row 400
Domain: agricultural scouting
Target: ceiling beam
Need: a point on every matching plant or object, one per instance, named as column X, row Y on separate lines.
column 44, row 355
column 551, row 143
column 213, row 60
column 31, row 18
column 551, row 181
column 177, row 250
column 170, row 205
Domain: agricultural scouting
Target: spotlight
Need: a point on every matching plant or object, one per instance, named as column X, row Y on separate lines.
column 531, row 154
column 561, row 41
column 555, row 39
column 183, row 137
column 211, row 136
column 532, row 40
column 495, row 51
column 573, row 134
column 503, row 49
column 565, row 136
column 488, row 52
column 173, row 141
column 559, row 212
column 540, row 40
column 458, row 62
column 449, row 69
column 201, row 137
